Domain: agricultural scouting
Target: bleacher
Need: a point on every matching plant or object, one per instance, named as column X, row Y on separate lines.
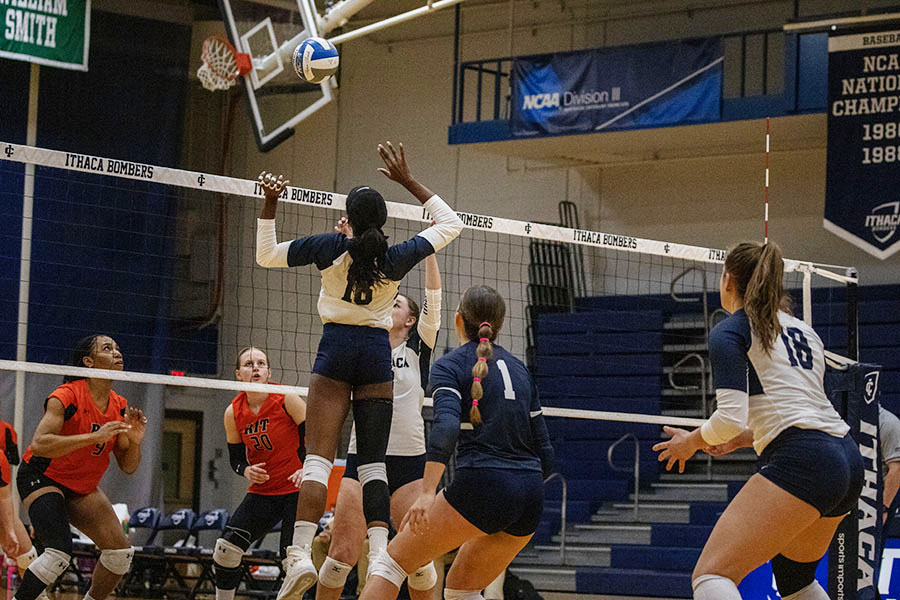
column 612, row 354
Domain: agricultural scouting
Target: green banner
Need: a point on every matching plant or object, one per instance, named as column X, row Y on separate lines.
column 55, row 33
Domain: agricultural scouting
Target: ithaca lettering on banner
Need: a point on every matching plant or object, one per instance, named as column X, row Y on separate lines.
column 54, row 33
column 861, row 202
column 629, row 87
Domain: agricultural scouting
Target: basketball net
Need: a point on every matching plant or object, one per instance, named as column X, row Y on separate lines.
column 222, row 64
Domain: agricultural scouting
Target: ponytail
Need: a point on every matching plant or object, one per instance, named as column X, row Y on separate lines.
column 758, row 270
column 369, row 251
column 480, row 370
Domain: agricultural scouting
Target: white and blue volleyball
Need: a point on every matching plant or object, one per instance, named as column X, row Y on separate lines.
column 315, row 59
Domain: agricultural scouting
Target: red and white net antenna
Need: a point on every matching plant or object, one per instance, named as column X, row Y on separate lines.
column 222, row 64
column 767, row 181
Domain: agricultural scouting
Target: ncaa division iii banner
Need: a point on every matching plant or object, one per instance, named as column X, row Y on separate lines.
column 862, row 193
column 627, row 87
column 54, row 33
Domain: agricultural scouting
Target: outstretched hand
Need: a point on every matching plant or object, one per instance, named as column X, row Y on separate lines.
column 137, row 422
column 272, row 186
column 395, row 163
column 677, row 450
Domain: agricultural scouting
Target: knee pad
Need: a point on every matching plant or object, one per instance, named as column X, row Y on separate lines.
column 376, row 496
column 240, row 538
column 51, row 525
column 333, row 573
column 424, row 578
column 316, row 468
column 715, row 587
column 462, row 594
column 24, row 560
column 792, row 576
column 50, row 565
column 387, row 568
column 227, row 555
column 117, row 561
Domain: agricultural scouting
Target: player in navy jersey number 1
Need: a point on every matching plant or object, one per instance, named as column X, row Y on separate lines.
column 768, row 367
column 493, row 505
column 360, row 280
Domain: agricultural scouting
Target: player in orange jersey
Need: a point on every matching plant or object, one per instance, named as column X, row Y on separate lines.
column 13, row 536
column 265, row 444
column 84, row 421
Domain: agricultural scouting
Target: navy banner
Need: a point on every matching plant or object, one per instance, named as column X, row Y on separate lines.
column 861, row 199
column 628, row 87
column 855, row 552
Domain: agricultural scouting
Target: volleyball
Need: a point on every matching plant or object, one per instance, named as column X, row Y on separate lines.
column 315, row 59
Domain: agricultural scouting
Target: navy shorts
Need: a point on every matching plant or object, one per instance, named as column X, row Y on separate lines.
column 400, row 469
column 494, row 500
column 354, row 354
column 820, row 469
column 30, row 479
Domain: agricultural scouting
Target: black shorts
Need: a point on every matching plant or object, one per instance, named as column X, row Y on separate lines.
column 354, row 354
column 257, row 514
column 493, row 500
column 400, row 469
column 29, row 479
column 822, row 470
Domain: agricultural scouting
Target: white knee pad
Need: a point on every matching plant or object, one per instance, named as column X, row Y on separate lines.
column 333, row 573
column 424, row 578
column 813, row 591
column 227, row 555
column 24, row 560
column 316, row 468
column 117, row 561
column 387, row 568
column 715, row 587
column 50, row 565
column 462, row 594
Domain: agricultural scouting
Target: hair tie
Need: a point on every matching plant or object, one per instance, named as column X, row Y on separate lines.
column 476, row 379
column 485, row 323
column 482, row 358
column 485, row 339
column 474, row 402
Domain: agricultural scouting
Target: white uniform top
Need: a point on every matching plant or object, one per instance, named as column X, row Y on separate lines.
column 768, row 392
column 330, row 252
column 888, row 436
column 411, row 361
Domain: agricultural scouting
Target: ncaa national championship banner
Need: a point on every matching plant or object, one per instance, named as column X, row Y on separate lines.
column 55, row 33
column 628, row 87
column 862, row 204
column 854, row 557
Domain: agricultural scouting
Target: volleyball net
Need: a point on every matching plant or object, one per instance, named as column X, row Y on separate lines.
column 163, row 261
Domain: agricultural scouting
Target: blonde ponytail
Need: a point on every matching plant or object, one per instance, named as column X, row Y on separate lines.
column 480, row 370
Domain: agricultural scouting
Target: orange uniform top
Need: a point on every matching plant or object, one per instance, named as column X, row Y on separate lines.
column 5, row 475
column 10, row 442
column 81, row 469
column 269, row 436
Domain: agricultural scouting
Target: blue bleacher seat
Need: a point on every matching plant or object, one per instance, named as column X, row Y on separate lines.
column 146, row 518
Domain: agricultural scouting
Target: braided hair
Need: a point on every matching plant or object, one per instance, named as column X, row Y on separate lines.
column 482, row 310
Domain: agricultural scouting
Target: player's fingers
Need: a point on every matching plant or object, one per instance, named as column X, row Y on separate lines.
column 660, row 446
column 402, row 154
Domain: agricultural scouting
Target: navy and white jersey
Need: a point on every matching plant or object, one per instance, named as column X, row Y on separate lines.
column 512, row 435
column 768, row 392
column 330, row 253
column 411, row 361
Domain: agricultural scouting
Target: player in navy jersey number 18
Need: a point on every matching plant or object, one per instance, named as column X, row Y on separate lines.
column 768, row 367
column 360, row 280
column 493, row 505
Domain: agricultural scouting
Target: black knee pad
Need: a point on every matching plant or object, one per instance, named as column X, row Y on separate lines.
column 376, row 502
column 373, row 428
column 792, row 576
column 50, row 522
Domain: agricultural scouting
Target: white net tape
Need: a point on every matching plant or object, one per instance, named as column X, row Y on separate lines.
column 219, row 70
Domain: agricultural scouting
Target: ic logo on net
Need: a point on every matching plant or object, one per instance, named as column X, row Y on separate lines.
column 884, row 220
column 871, row 389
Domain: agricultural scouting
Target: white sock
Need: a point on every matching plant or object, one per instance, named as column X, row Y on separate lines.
column 715, row 587
column 378, row 538
column 304, row 532
column 23, row 560
column 89, row 597
column 224, row 594
column 813, row 591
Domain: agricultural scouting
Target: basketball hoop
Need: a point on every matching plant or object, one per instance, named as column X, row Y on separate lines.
column 222, row 64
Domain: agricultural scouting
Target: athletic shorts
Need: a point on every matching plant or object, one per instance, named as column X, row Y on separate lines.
column 257, row 514
column 820, row 469
column 493, row 500
column 354, row 354
column 29, row 479
column 400, row 469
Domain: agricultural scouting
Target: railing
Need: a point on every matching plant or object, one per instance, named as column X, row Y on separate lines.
column 754, row 66
column 703, row 297
column 703, row 389
column 637, row 467
column 562, row 515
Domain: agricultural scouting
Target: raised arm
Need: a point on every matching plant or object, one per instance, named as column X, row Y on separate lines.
column 269, row 253
column 48, row 443
column 430, row 319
